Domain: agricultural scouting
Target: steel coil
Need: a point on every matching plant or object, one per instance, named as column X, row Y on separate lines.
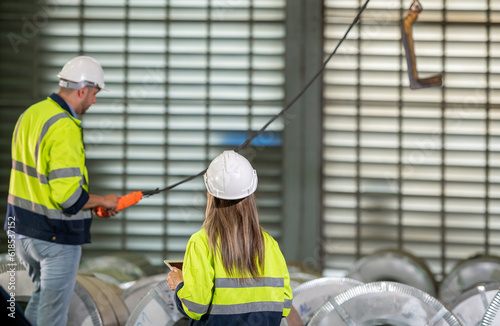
column 24, row 287
column 119, row 268
column 394, row 266
column 492, row 315
column 133, row 295
column 467, row 274
column 96, row 303
column 157, row 308
column 383, row 303
column 471, row 306
column 310, row 296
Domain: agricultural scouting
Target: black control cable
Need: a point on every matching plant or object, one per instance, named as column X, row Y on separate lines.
column 286, row 108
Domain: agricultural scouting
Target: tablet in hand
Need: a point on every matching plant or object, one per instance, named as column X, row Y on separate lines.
column 173, row 263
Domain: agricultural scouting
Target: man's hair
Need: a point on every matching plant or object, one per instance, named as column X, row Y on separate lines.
column 234, row 230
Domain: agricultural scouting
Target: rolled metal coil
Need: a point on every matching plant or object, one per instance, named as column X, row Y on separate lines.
column 23, row 285
column 394, row 266
column 383, row 303
column 492, row 315
column 157, row 308
column 119, row 268
column 96, row 303
column 133, row 295
column 470, row 306
column 310, row 296
column 467, row 274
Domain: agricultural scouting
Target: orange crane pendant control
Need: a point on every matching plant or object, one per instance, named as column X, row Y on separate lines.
column 124, row 202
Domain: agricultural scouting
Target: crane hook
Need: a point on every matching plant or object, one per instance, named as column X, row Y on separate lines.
column 408, row 43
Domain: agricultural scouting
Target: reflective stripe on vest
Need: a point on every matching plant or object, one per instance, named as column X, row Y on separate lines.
column 45, row 129
column 43, row 210
column 243, row 308
column 234, row 309
column 275, row 282
column 195, row 307
column 30, row 171
column 54, row 174
column 17, row 127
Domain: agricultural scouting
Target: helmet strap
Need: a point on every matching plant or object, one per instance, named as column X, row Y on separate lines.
column 72, row 85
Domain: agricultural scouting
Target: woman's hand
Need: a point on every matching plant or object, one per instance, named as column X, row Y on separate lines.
column 174, row 278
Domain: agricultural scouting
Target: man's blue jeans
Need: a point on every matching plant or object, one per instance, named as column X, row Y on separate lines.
column 53, row 268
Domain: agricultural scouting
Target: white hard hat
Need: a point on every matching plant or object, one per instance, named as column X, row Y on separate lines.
column 230, row 176
column 80, row 72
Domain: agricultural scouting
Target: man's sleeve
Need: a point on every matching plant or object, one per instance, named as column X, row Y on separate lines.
column 66, row 155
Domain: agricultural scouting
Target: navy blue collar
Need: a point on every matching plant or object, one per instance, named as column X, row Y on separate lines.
column 62, row 103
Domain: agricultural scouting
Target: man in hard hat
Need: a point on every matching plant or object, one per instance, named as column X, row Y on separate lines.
column 49, row 205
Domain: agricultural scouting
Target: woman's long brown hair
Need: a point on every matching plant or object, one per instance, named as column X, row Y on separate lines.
column 233, row 229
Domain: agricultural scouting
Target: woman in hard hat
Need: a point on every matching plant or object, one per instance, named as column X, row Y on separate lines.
column 234, row 272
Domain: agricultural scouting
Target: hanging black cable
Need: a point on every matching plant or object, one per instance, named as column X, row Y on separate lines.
column 286, row 108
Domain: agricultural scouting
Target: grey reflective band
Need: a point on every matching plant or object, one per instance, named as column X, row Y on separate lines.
column 288, row 304
column 195, row 307
column 29, row 171
column 45, row 129
column 73, row 85
column 244, row 308
column 43, row 210
column 73, row 198
column 17, row 127
column 64, row 173
column 56, row 174
column 275, row 282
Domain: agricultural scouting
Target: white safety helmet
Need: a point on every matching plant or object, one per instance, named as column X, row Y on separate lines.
column 80, row 72
column 230, row 176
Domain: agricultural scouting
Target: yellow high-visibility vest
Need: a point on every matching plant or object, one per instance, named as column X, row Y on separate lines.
column 49, row 180
column 209, row 289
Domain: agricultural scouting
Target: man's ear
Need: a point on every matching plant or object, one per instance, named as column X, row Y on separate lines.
column 82, row 92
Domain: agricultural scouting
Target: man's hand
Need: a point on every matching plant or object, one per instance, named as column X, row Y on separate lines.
column 109, row 202
column 110, row 212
